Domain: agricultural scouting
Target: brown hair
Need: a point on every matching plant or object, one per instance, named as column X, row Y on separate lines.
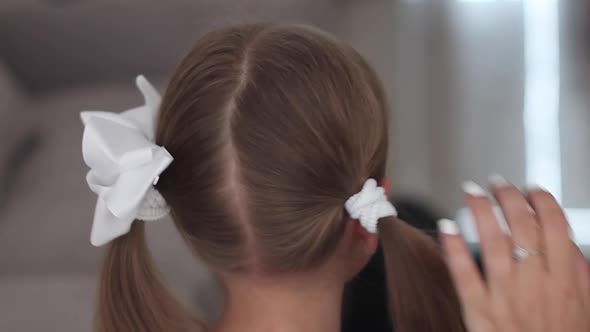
column 272, row 128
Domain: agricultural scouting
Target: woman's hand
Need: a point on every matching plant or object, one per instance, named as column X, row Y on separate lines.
column 536, row 279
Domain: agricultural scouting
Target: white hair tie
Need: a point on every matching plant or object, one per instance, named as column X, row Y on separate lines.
column 370, row 205
column 124, row 165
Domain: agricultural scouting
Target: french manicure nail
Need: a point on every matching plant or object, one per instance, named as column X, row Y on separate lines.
column 447, row 226
column 473, row 189
column 497, row 180
column 535, row 187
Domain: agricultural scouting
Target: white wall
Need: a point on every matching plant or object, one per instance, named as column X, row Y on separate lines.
column 391, row 35
column 479, row 122
column 455, row 75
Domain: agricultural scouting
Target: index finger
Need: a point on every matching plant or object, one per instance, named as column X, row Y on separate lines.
column 466, row 276
column 494, row 243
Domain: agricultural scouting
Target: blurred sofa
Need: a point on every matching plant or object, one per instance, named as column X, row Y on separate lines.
column 17, row 131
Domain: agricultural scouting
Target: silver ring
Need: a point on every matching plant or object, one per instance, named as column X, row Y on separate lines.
column 519, row 253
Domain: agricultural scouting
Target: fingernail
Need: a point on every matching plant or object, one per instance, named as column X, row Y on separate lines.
column 447, row 226
column 535, row 187
column 497, row 180
column 473, row 189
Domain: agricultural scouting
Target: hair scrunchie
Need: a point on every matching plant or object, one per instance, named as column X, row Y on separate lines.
column 369, row 205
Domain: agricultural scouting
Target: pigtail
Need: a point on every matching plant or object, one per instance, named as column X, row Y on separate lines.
column 132, row 296
column 422, row 297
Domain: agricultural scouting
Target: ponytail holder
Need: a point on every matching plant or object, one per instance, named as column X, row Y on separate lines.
column 124, row 166
column 370, row 205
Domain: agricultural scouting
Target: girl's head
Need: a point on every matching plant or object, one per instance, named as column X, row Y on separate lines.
column 272, row 128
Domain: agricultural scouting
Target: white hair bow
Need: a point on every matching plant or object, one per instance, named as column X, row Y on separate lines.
column 124, row 165
column 369, row 205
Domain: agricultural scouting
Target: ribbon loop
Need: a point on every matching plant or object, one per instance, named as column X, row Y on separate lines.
column 124, row 162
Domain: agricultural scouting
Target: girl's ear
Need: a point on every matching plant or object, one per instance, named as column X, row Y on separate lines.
column 370, row 240
column 386, row 184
